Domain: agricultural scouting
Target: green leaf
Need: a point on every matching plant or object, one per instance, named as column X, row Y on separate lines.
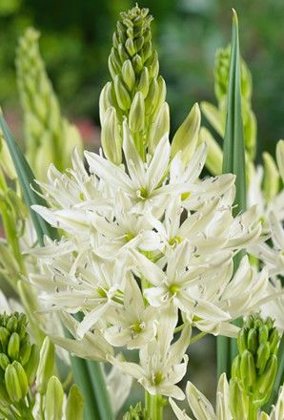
column 27, row 182
column 87, row 375
column 233, row 162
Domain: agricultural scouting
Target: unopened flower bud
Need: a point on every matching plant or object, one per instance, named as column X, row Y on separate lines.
column 247, row 370
column 266, row 380
column 271, row 177
column 122, row 96
column 111, row 138
column 4, row 361
column 280, row 158
column 54, row 399
column 143, row 84
column 12, row 384
column 22, row 377
column 75, row 404
column 239, row 401
column 263, row 354
column 32, row 364
column 137, row 113
column 46, row 365
column 252, row 340
column 14, row 346
column 128, row 74
column 186, row 137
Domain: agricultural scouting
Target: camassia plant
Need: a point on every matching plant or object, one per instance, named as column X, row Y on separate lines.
column 127, row 258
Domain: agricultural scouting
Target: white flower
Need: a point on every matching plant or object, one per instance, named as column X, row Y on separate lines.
column 161, row 365
column 272, row 256
column 81, row 283
column 201, row 407
column 203, row 410
column 144, row 182
column 133, row 324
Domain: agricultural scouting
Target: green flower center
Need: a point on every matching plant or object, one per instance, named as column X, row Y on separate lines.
column 175, row 240
column 158, row 378
column 142, row 193
column 174, row 289
column 137, row 327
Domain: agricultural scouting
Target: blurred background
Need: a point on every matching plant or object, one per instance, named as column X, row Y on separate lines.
column 76, row 40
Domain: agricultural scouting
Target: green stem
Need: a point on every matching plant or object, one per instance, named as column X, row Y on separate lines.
column 101, row 395
column 154, row 405
column 198, row 337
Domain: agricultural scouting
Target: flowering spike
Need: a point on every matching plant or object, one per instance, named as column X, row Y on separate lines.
column 49, row 137
column 255, row 367
column 136, row 91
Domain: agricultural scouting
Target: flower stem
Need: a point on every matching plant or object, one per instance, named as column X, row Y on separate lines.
column 154, row 406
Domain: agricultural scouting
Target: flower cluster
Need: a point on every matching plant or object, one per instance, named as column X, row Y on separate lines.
column 146, row 242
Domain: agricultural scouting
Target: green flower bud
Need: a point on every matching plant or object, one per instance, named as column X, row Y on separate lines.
column 54, row 399
column 14, row 346
column 4, row 337
column 186, row 137
column 239, row 401
column 12, row 384
column 143, row 84
column 75, row 404
column 252, row 340
column 280, row 158
column 266, row 380
column 263, row 354
column 25, row 352
column 128, row 74
column 22, row 378
column 137, row 113
column 4, row 361
column 159, row 127
column 46, row 365
column 111, row 137
column 247, row 370
column 32, row 364
column 271, row 177
column 122, row 95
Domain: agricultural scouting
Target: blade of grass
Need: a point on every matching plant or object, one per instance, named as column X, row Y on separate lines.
column 88, row 375
column 233, row 162
column 26, row 179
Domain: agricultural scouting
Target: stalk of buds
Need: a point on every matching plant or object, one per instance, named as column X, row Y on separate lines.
column 18, row 360
column 137, row 92
column 28, row 387
column 255, row 367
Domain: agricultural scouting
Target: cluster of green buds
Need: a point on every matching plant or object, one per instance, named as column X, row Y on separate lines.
column 28, row 387
column 18, row 366
column 137, row 92
column 255, row 367
column 49, row 137
column 217, row 115
column 136, row 413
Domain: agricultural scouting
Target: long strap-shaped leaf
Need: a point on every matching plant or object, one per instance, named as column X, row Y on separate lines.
column 233, row 162
column 88, row 375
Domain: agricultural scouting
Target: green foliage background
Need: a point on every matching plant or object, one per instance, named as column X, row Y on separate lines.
column 76, row 38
